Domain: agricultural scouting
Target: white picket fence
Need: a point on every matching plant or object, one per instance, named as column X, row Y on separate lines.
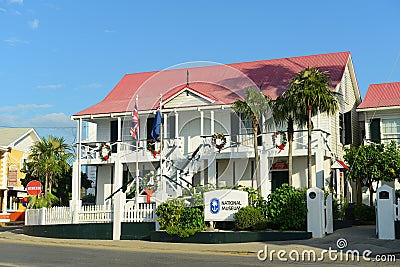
column 145, row 213
column 88, row 214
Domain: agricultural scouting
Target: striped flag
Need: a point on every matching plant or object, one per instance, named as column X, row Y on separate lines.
column 135, row 123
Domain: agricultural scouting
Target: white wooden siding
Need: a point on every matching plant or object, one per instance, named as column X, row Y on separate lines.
column 186, row 99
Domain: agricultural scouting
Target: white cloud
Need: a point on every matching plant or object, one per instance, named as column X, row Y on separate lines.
column 52, row 120
column 56, row 124
column 15, row 41
column 20, row 2
column 34, row 24
column 108, row 31
column 3, row 10
column 24, row 107
column 50, row 86
column 93, row 85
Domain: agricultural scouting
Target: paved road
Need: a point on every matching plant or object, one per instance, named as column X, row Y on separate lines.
column 20, row 254
column 17, row 249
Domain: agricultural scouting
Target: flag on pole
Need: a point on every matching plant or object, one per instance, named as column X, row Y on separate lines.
column 155, row 131
column 135, row 123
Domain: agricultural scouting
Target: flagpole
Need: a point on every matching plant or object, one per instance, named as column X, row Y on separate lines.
column 137, row 160
column 161, row 148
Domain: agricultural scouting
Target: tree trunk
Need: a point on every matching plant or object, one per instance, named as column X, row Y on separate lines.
column 50, row 181
column 359, row 192
column 309, row 156
column 371, row 195
column 46, row 183
column 290, row 131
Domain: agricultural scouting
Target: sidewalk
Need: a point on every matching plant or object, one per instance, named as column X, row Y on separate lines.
column 358, row 238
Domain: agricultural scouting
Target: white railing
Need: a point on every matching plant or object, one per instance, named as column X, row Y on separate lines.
column 32, row 217
column 95, row 214
column 88, row 214
column 145, row 213
column 58, row 215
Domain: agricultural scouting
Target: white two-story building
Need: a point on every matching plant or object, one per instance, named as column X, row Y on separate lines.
column 196, row 103
column 380, row 117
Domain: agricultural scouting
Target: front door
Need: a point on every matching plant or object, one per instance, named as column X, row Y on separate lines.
column 279, row 178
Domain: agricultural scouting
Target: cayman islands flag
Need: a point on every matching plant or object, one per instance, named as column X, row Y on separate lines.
column 135, row 123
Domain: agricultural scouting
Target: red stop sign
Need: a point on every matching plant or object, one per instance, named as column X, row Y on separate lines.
column 34, row 188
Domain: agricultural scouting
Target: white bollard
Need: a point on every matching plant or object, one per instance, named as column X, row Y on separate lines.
column 315, row 212
column 385, row 209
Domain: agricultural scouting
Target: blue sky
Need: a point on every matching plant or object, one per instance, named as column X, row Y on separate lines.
column 58, row 57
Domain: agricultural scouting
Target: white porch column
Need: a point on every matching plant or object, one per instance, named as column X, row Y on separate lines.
column 119, row 136
column 319, row 170
column 264, row 175
column 165, row 126
column 4, row 174
column 176, row 125
column 212, row 122
column 5, row 196
column 75, row 203
column 119, row 200
column 366, row 127
column 212, row 171
column 201, row 122
column 202, row 173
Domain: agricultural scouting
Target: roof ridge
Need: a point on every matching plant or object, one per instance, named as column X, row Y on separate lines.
column 239, row 62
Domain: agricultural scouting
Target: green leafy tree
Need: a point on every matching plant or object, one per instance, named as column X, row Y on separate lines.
column 371, row 164
column 254, row 106
column 309, row 90
column 62, row 185
column 287, row 112
column 49, row 159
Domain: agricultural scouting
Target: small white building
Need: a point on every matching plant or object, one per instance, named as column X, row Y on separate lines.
column 196, row 103
column 380, row 117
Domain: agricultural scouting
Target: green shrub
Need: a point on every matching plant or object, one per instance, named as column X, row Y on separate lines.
column 339, row 208
column 286, row 208
column 40, row 201
column 250, row 218
column 179, row 219
column 365, row 214
column 254, row 196
column 339, row 205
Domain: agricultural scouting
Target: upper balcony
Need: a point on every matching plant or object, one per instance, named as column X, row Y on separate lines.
column 235, row 146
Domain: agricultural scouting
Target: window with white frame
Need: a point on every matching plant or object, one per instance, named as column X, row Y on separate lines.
column 390, row 130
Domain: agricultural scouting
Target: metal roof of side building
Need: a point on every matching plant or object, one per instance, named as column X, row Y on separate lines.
column 381, row 95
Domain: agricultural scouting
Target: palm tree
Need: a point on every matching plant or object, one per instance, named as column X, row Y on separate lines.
column 49, row 158
column 254, row 106
column 310, row 90
column 286, row 112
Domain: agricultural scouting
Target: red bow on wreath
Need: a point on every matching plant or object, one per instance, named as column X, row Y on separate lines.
column 283, row 140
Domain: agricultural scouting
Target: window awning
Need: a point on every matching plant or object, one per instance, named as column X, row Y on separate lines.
column 339, row 164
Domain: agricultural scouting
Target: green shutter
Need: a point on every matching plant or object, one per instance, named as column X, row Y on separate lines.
column 375, row 130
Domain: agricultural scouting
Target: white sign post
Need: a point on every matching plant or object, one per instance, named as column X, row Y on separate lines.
column 221, row 205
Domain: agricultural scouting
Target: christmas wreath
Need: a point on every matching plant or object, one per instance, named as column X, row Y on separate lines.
column 105, row 151
column 283, row 140
column 219, row 141
column 151, row 146
column 149, row 181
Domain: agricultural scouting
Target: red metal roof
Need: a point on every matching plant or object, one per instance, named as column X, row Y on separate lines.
column 382, row 95
column 222, row 83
